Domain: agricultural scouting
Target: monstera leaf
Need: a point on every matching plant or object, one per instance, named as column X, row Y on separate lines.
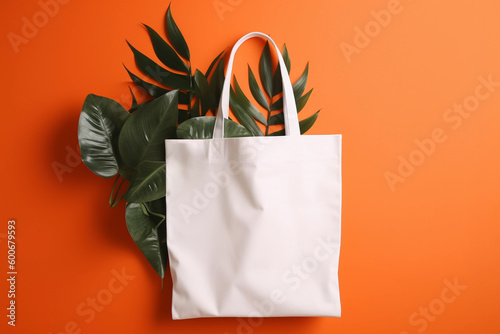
column 143, row 135
column 100, row 123
column 148, row 233
column 148, row 183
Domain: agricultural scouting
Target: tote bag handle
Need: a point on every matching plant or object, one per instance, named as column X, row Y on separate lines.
column 291, row 119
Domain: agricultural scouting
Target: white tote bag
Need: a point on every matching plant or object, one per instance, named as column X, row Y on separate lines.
column 253, row 223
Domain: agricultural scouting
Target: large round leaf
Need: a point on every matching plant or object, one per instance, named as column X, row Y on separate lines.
column 143, row 230
column 100, row 123
column 143, row 135
column 148, row 183
column 203, row 128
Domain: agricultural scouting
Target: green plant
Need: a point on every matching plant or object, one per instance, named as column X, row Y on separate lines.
column 129, row 144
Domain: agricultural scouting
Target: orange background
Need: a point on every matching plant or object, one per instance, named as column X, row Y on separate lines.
column 398, row 247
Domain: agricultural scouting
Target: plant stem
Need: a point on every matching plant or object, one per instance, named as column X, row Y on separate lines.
column 144, row 209
column 190, row 93
column 115, row 202
column 113, row 190
column 269, row 116
column 161, row 222
column 118, row 201
column 146, row 206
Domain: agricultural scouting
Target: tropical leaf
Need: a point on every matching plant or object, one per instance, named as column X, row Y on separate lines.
column 201, row 83
column 276, row 119
column 194, row 111
column 158, row 73
column 305, row 125
column 301, row 102
column 203, row 90
column 212, row 64
column 277, row 81
column 257, row 93
column 242, row 115
column 277, row 105
column 148, row 183
column 300, row 85
column 142, row 136
column 183, row 115
column 298, row 89
column 145, row 233
column 175, row 36
column 134, row 101
column 203, row 128
column 286, row 59
column 246, row 105
column 216, row 82
column 153, row 90
column 165, row 53
column 99, row 125
column 266, row 70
